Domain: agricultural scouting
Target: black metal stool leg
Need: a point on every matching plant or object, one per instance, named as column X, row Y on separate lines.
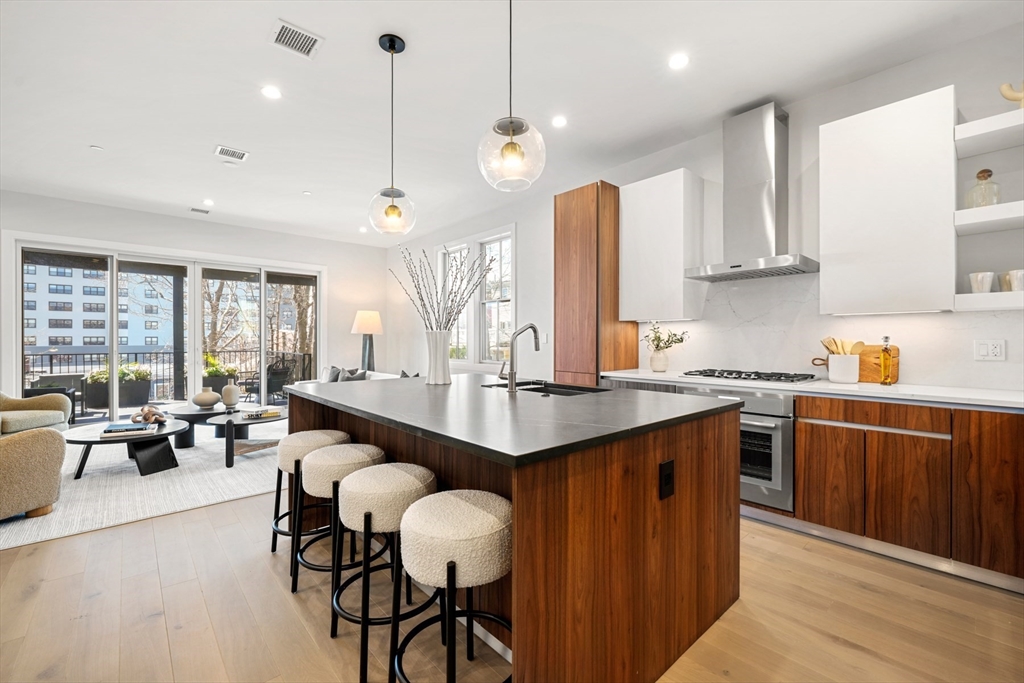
column 450, row 627
column 294, row 523
column 352, row 547
column 443, row 606
column 337, row 552
column 396, row 604
column 408, row 589
column 277, row 510
column 469, row 624
column 364, row 622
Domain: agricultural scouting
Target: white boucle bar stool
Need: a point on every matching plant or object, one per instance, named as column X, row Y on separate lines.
column 322, row 471
column 290, row 452
column 451, row 540
column 375, row 498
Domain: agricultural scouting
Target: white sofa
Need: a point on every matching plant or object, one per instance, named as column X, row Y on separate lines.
column 370, row 375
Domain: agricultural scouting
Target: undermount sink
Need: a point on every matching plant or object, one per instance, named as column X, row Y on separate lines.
column 550, row 388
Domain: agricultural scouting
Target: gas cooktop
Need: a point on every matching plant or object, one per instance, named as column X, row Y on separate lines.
column 753, row 376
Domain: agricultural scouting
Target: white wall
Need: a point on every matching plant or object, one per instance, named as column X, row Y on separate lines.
column 773, row 324
column 354, row 274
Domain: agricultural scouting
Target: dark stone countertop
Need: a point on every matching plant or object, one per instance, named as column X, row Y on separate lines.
column 510, row 429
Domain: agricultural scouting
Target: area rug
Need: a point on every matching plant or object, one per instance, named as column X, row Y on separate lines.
column 111, row 492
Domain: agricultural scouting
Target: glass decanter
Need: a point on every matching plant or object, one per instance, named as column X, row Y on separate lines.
column 985, row 192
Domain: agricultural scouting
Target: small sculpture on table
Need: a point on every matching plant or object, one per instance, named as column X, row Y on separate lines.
column 149, row 414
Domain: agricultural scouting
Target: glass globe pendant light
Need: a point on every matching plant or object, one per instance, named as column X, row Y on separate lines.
column 391, row 210
column 511, row 154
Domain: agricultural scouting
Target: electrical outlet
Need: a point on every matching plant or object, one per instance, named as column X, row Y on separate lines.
column 990, row 349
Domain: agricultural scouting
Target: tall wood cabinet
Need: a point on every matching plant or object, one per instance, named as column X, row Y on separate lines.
column 589, row 338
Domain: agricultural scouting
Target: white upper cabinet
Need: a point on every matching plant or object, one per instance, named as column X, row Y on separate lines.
column 661, row 223
column 888, row 193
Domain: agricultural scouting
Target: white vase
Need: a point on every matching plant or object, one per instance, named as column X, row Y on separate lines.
column 230, row 394
column 438, row 345
column 659, row 361
column 207, row 398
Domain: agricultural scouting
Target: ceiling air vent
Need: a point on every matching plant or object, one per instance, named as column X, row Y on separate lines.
column 202, row 211
column 295, row 39
column 228, row 153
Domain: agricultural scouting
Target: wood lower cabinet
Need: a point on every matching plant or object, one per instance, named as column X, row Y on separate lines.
column 589, row 338
column 907, row 491
column 829, row 476
column 988, row 490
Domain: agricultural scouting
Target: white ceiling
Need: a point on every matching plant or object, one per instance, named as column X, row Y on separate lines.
column 159, row 84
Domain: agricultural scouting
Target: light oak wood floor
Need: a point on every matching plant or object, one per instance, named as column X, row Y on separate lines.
column 197, row 596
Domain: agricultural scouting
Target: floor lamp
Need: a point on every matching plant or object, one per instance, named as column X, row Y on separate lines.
column 367, row 323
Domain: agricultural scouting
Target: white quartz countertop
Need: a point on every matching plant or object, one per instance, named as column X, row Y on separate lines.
column 918, row 393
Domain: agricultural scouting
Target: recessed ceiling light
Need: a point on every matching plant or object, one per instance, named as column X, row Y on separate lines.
column 558, row 121
column 306, row 192
column 678, row 61
column 271, row 92
column 230, row 164
column 362, row 228
column 207, row 202
column 96, row 147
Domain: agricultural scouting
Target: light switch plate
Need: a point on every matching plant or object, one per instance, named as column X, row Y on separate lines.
column 990, row 349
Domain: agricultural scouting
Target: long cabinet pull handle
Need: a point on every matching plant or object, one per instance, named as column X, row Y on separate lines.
column 766, row 425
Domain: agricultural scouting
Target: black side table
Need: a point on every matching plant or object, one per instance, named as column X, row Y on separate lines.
column 151, row 451
column 194, row 415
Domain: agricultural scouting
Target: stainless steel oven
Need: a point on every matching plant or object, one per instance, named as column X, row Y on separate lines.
column 766, row 443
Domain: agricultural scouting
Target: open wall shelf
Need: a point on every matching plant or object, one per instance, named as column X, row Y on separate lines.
column 996, row 218
column 990, row 134
column 989, row 301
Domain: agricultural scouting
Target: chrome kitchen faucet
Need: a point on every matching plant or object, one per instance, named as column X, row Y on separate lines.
column 512, row 353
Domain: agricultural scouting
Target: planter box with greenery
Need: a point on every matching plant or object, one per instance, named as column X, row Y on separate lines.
column 134, row 385
column 215, row 375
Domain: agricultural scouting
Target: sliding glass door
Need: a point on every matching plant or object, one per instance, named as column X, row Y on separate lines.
column 291, row 331
column 231, row 330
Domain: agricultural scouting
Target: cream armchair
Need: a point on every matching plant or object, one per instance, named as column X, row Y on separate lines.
column 20, row 414
column 30, row 463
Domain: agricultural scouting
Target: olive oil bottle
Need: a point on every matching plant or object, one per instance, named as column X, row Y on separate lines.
column 885, row 358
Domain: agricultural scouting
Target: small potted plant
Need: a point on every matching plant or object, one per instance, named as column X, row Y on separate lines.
column 659, row 343
column 135, row 383
column 216, row 375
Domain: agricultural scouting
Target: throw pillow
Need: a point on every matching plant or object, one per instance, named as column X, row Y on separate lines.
column 357, row 377
column 406, row 374
column 333, row 374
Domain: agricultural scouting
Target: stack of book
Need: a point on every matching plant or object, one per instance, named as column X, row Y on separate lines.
column 259, row 413
column 117, row 429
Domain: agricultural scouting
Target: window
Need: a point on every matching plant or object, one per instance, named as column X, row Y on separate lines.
column 60, row 289
column 94, row 274
column 29, row 305
column 94, row 341
column 29, row 341
column 152, row 310
column 31, row 287
column 152, row 325
column 152, row 341
column 60, row 323
column 28, row 270
column 122, row 341
column 94, row 357
column 122, row 324
column 122, row 291
column 122, row 308
column 30, row 323
column 94, row 308
column 150, row 293
column 94, row 324
column 460, row 334
column 65, row 306
column 496, row 324
column 287, row 315
column 287, row 327
column 94, row 291
column 61, row 272
column 60, row 341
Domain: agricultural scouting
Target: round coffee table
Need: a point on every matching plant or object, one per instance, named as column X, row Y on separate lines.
column 151, row 451
column 194, row 415
column 233, row 421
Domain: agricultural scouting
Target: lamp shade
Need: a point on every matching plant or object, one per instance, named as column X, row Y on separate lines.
column 367, row 322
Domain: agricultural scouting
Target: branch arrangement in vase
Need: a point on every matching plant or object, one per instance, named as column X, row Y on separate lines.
column 663, row 341
column 440, row 301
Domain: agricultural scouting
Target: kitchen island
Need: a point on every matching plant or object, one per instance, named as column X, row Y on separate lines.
column 620, row 562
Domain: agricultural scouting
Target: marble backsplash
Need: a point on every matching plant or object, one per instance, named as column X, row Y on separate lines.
column 773, row 324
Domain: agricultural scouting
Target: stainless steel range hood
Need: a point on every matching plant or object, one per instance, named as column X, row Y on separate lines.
column 756, row 194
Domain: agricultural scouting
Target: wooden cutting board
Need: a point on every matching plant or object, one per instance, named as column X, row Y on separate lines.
column 871, row 364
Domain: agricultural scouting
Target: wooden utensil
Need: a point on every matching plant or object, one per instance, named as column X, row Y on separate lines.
column 857, row 347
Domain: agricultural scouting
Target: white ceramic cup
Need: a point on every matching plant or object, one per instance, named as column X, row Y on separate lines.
column 1016, row 280
column 844, row 369
column 982, row 282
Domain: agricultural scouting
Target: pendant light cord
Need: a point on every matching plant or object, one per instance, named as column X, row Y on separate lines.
column 510, row 68
column 392, row 123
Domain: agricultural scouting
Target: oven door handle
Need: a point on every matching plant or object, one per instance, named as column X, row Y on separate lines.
column 751, row 423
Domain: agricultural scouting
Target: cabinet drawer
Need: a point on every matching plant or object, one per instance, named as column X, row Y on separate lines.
column 894, row 415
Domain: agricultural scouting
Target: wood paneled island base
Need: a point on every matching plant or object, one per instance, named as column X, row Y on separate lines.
column 609, row 582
